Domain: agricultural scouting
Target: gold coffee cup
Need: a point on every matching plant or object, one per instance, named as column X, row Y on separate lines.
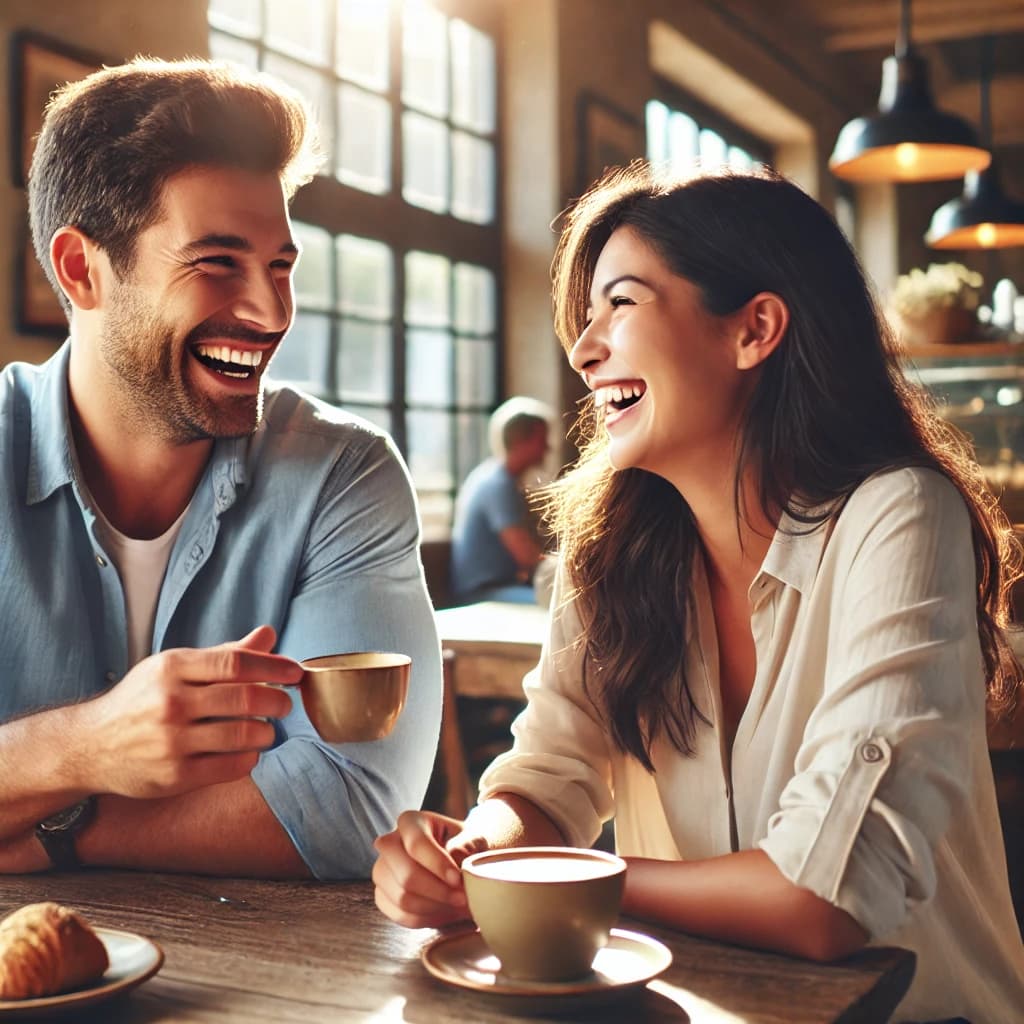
column 355, row 698
column 544, row 911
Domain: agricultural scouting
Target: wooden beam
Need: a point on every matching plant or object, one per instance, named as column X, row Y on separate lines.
column 969, row 24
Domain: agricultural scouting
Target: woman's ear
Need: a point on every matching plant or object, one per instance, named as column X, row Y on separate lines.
column 75, row 261
column 762, row 325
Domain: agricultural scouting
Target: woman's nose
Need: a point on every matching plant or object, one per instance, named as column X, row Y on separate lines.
column 589, row 349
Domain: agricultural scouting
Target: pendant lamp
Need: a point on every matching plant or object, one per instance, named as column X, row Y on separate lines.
column 983, row 217
column 908, row 139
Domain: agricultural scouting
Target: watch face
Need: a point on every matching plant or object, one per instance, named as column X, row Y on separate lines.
column 66, row 819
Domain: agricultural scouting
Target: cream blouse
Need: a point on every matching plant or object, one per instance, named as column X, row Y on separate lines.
column 860, row 765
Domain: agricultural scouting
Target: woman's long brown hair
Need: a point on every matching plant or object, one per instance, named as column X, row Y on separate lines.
column 832, row 407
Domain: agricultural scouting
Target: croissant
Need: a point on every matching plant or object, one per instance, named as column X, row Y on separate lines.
column 46, row 948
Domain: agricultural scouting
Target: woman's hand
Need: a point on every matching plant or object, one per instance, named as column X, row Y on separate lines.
column 417, row 881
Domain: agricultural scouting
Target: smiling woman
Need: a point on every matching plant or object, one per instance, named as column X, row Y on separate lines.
column 777, row 616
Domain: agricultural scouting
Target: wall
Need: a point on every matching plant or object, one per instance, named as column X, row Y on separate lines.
column 114, row 30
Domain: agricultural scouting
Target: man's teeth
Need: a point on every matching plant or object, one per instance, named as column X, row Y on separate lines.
column 616, row 393
column 224, row 354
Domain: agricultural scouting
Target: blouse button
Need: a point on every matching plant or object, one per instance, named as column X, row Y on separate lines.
column 101, row 561
column 871, row 752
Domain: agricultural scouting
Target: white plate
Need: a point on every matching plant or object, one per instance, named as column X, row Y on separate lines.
column 133, row 959
column 629, row 961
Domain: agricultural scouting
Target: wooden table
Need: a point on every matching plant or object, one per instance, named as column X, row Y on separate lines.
column 488, row 647
column 248, row 952
column 495, row 643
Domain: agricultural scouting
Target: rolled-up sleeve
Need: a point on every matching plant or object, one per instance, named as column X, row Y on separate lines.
column 360, row 588
column 559, row 760
column 883, row 761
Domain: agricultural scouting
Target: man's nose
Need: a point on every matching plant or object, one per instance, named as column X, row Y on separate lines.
column 265, row 301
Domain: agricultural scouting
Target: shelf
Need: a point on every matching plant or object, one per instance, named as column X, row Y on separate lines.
column 965, row 350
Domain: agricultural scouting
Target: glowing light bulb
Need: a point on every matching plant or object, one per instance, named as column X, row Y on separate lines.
column 906, row 155
column 986, row 235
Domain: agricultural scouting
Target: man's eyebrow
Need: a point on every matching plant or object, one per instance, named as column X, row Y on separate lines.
column 234, row 242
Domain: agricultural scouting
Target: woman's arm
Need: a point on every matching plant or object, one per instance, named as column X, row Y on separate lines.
column 741, row 898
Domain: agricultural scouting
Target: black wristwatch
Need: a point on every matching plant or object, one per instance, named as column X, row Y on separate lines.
column 57, row 833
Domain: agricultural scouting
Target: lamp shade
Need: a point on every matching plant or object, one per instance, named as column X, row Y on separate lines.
column 908, row 139
column 981, row 218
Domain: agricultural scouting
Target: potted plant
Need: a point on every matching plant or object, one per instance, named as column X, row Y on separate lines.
column 936, row 306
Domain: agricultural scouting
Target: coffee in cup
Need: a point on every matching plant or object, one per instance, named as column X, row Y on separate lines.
column 355, row 698
column 544, row 911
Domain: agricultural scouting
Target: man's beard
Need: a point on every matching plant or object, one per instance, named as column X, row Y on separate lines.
column 157, row 398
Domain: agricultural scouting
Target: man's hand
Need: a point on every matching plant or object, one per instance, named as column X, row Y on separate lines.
column 186, row 718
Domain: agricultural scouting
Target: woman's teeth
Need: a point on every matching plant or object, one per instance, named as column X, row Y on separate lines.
column 619, row 396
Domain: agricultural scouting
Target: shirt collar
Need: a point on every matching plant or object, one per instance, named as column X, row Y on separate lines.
column 795, row 552
column 51, row 464
column 51, row 454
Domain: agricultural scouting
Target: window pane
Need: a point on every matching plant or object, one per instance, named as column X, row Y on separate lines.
column 683, row 143
column 425, row 162
column 313, row 271
column 375, row 414
column 427, row 291
column 301, row 359
column 740, row 159
column 713, row 150
column 470, row 442
column 475, row 372
column 363, row 366
column 475, row 299
column 435, row 515
column 472, row 178
column 657, row 132
column 241, row 17
column 430, row 442
column 362, row 42
column 473, row 78
column 314, row 86
column 424, row 58
column 224, row 47
column 365, row 279
column 300, row 28
column 364, row 133
column 428, row 373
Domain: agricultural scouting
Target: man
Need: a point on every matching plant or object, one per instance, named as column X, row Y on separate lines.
column 495, row 550
column 166, row 519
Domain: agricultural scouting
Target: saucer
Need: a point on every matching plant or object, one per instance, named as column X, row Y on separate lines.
column 133, row 959
column 628, row 962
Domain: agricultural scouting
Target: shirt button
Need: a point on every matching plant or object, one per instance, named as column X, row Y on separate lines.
column 111, row 677
column 101, row 561
column 871, row 752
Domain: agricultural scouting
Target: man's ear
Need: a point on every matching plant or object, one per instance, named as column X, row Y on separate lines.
column 761, row 326
column 76, row 263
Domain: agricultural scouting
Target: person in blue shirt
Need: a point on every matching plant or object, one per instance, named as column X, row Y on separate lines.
column 169, row 520
column 495, row 548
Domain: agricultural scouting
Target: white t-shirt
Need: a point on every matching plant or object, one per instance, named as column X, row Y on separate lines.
column 141, row 565
column 860, row 764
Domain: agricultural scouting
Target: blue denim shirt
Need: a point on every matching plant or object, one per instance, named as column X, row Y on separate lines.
column 309, row 525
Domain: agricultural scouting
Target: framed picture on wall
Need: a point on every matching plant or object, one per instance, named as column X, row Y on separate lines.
column 38, row 65
column 608, row 137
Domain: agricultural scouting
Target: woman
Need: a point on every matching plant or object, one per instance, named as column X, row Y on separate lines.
column 781, row 595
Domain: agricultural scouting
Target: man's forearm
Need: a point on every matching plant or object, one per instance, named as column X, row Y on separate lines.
column 226, row 829
column 40, row 768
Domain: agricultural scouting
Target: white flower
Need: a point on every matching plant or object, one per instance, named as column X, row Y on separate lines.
column 942, row 285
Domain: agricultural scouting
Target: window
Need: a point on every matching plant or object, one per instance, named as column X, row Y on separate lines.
column 397, row 290
column 682, row 133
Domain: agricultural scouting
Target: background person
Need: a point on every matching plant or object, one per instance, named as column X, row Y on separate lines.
column 167, row 519
column 495, row 546
column 780, row 608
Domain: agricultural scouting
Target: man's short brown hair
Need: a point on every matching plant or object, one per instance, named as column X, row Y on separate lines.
column 110, row 142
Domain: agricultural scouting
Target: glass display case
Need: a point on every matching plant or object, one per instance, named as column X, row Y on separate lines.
column 979, row 387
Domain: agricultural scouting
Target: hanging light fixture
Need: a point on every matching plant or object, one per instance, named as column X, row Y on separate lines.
column 908, row 139
column 982, row 217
